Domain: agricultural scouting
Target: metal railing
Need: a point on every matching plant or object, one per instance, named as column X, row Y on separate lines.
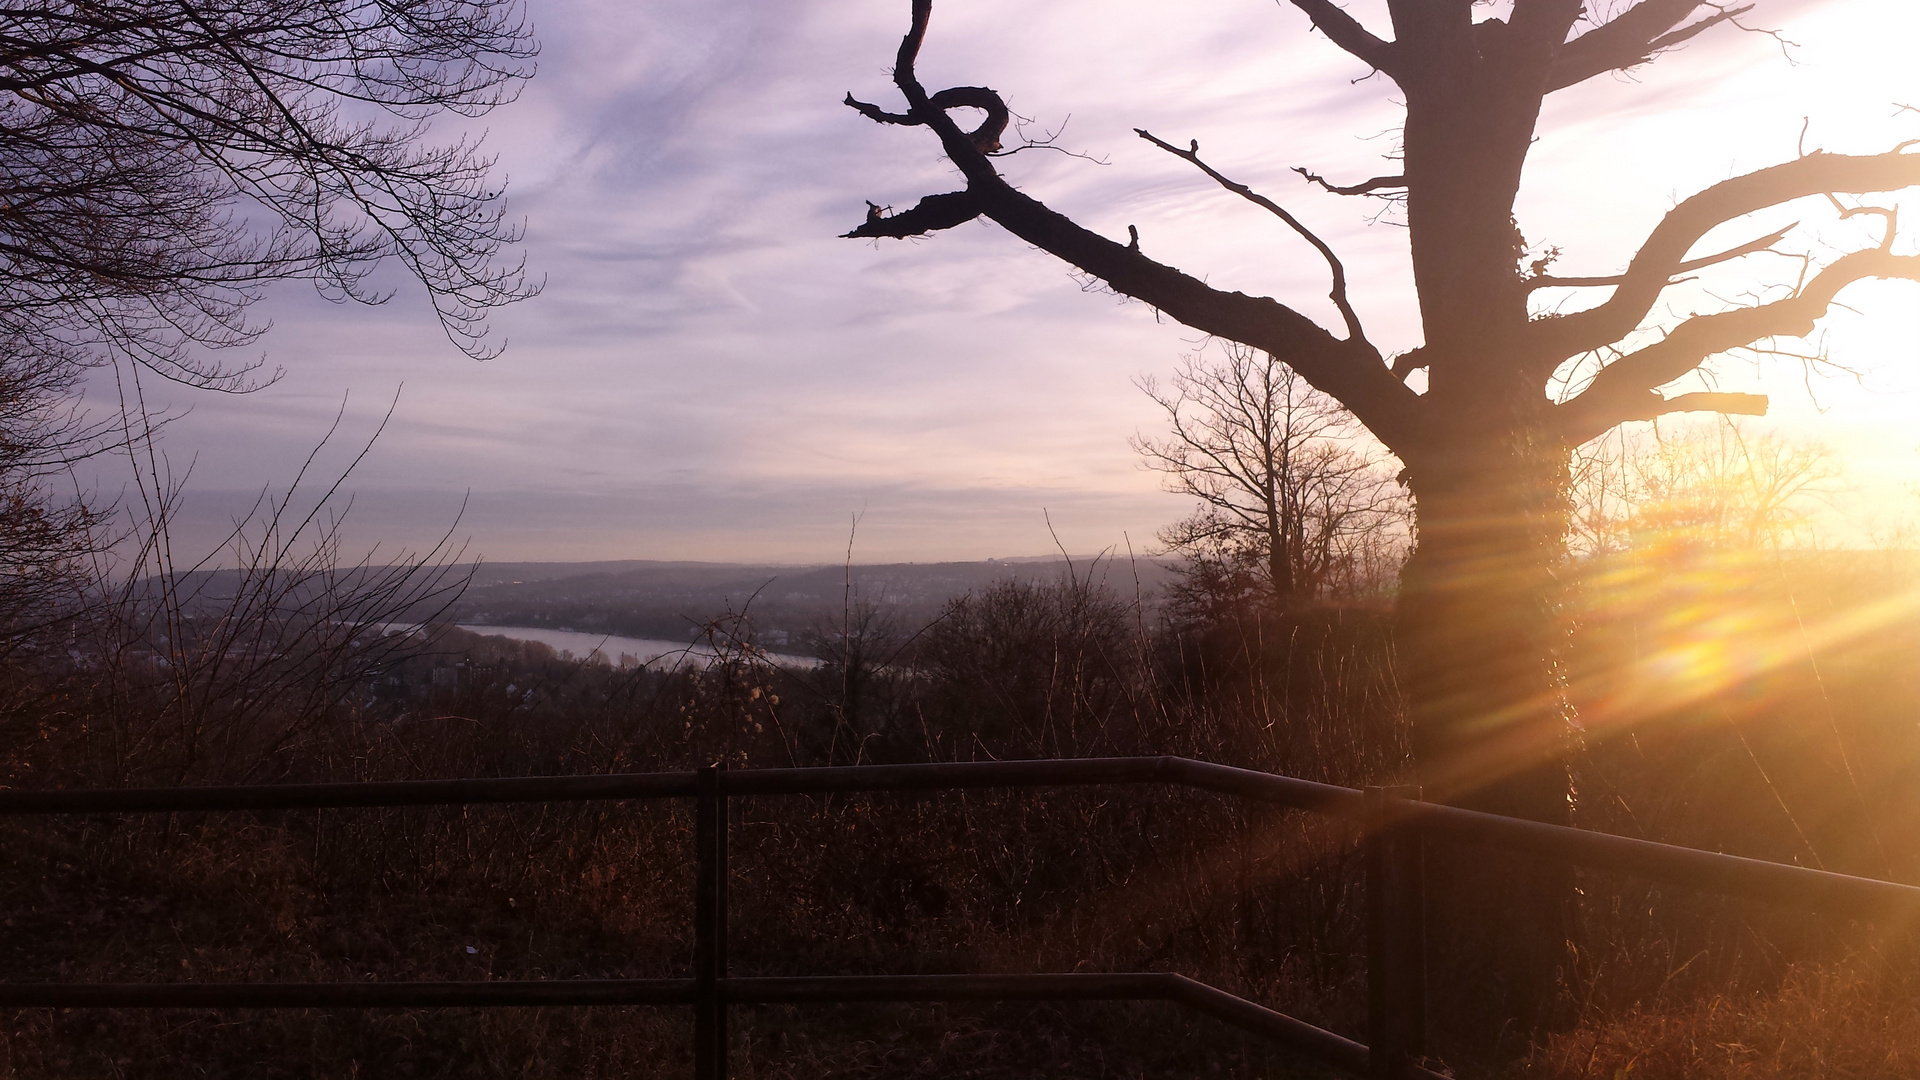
column 1394, row 825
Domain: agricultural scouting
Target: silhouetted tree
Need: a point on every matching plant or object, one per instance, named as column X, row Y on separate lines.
column 1485, row 447
column 1274, row 466
column 160, row 161
column 45, row 535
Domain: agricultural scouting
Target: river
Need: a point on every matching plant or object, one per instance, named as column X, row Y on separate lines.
column 651, row 651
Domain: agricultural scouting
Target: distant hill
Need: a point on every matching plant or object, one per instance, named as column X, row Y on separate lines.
column 671, row 599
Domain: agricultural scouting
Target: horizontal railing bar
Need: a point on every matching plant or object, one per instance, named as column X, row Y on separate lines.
column 1303, row 794
column 1241, row 1013
column 1079, row 986
column 947, row 775
column 1708, row 871
column 1146, row 986
column 390, row 995
column 1238, row 1011
column 514, row 789
column 1320, row 798
column 1055, row 772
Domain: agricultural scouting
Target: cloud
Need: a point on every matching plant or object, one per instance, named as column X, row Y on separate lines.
column 711, row 368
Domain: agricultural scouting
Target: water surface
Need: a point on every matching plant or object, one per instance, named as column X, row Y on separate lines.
column 619, row 650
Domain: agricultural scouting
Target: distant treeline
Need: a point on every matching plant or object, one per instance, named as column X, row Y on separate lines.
column 672, row 601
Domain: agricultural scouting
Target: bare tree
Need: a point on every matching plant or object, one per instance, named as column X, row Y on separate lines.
column 1485, row 447
column 161, row 160
column 1278, row 474
column 1706, row 488
column 46, row 534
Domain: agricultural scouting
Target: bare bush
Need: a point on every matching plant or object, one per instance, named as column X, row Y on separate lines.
column 1033, row 669
column 216, row 671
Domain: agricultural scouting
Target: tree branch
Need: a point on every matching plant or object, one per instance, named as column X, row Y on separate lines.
column 1765, row 243
column 986, row 137
column 1620, row 391
column 1339, row 293
column 1352, row 371
column 1345, row 31
column 1727, row 404
column 1559, row 337
column 1580, row 426
column 931, row 214
column 1632, row 38
column 1366, row 187
column 1409, row 362
column 876, row 114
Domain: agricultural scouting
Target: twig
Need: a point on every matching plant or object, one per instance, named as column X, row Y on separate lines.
column 1365, row 187
column 1764, row 243
column 1339, row 293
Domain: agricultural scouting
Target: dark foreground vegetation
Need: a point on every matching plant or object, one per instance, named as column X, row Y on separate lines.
column 1786, row 731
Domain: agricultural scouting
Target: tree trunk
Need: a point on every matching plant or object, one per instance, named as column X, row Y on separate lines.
column 1480, row 641
column 1280, row 568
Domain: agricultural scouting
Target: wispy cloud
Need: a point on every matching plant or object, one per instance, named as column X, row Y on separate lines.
column 711, row 369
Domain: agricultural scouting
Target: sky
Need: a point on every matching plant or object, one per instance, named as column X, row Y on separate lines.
column 712, row 374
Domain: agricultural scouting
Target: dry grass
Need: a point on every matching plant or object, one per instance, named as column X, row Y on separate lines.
column 1822, row 1023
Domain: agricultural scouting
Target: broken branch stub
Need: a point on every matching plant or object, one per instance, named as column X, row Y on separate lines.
column 931, row 214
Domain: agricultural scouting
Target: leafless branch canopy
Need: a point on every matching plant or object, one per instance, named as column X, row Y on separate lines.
column 1635, row 37
column 1620, row 390
column 1350, row 369
column 1664, row 253
column 1473, row 93
column 164, row 159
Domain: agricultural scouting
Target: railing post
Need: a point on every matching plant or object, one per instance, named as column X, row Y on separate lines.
column 1396, row 936
column 709, row 925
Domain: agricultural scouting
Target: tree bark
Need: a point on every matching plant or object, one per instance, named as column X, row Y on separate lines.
column 1479, row 640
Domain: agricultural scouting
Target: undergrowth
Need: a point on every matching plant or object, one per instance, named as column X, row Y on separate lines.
column 1261, row 902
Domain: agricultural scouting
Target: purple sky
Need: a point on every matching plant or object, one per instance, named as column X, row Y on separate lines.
column 711, row 374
